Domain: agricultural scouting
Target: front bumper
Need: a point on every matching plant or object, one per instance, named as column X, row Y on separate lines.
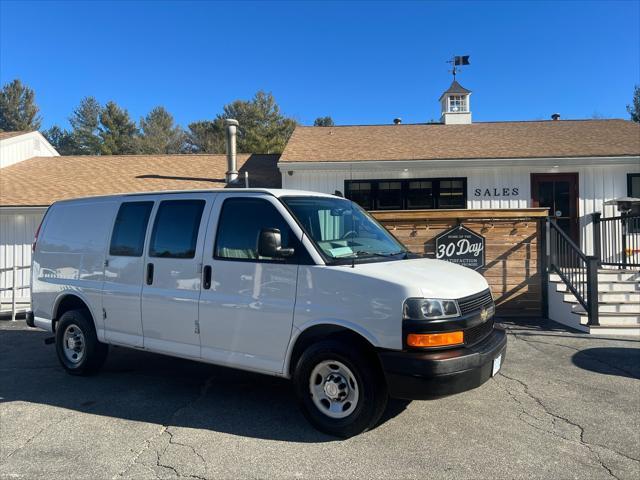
column 421, row 375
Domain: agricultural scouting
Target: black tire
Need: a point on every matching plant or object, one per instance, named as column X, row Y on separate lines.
column 372, row 389
column 94, row 353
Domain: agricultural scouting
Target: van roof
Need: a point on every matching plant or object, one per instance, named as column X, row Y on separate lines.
column 276, row 192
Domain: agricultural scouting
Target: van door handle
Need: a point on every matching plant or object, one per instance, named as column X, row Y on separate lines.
column 206, row 280
column 149, row 273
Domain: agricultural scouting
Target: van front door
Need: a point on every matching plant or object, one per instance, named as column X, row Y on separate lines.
column 247, row 301
column 172, row 275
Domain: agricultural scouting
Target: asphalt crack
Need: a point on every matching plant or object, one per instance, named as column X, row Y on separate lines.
column 616, row 452
column 147, row 445
column 35, row 435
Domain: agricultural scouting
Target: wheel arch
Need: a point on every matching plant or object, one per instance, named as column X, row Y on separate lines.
column 70, row 301
column 322, row 331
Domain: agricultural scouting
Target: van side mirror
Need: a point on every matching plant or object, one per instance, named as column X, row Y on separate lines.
column 270, row 244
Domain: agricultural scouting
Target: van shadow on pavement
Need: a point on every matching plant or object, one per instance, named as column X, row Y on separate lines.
column 601, row 359
column 146, row 387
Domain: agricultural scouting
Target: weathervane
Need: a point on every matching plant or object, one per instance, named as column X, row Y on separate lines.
column 456, row 61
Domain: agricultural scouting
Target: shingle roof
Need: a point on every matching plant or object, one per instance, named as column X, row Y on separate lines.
column 43, row 180
column 5, row 135
column 455, row 87
column 536, row 139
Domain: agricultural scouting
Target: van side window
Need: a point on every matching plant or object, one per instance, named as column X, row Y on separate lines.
column 130, row 228
column 239, row 228
column 175, row 232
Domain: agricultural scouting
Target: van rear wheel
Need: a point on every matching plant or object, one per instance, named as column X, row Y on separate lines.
column 77, row 345
column 339, row 388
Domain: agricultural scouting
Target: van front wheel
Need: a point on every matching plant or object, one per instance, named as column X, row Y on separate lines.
column 339, row 388
column 77, row 345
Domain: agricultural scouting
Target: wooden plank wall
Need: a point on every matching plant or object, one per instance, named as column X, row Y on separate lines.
column 512, row 266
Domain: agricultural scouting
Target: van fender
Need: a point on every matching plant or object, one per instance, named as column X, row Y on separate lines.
column 83, row 298
column 297, row 331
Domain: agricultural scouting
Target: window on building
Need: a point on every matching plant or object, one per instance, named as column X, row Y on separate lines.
column 360, row 192
column 457, row 103
column 413, row 194
column 239, row 227
column 633, row 185
column 420, row 194
column 130, row 229
column 389, row 196
column 175, row 232
column 452, row 194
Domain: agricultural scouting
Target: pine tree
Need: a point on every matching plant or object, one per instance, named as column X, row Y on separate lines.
column 634, row 108
column 206, row 136
column 62, row 140
column 18, row 110
column 323, row 122
column 263, row 128
column 118, row 132
column 159, row 134
column 85, row 122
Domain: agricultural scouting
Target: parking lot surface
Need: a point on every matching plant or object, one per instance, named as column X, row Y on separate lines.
column 564, row 405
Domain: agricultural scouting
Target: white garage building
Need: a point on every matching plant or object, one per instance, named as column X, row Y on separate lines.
column 17, row 224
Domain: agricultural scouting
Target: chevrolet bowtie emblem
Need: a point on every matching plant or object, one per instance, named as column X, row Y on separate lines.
column 484, row 314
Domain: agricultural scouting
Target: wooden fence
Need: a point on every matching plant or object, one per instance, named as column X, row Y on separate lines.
column 512, row 240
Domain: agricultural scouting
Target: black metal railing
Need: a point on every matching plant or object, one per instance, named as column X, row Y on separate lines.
column 578, row 271
column 616, row 240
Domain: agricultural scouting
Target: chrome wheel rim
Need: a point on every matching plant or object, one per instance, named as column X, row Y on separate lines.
column 73, row 344
column 334, row 389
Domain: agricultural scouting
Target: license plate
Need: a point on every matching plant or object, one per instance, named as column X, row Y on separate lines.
column 497, row 362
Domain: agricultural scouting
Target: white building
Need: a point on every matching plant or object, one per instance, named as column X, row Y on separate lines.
column 18, row 146
column 570, row 166
column 17, row 223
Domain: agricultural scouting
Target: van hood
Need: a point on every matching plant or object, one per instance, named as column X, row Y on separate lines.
column 427, row 278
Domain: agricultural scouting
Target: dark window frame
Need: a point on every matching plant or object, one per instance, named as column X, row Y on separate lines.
column 152, row 253
column 300, row 257
column 630, row 177
column 115, row 227
column 435, row 182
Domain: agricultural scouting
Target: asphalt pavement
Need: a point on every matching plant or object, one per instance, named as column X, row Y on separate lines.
column 564, row 406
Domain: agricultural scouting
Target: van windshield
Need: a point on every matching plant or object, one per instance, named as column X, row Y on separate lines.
column 342, row 230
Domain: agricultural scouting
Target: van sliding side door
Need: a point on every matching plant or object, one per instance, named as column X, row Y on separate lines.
column 173, row 273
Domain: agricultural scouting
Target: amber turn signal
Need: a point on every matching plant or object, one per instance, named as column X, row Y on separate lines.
column 435, row 339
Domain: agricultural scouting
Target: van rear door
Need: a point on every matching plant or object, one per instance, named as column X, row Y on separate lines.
column 173, row 272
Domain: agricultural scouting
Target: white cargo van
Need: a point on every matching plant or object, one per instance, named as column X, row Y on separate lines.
column 295, row 284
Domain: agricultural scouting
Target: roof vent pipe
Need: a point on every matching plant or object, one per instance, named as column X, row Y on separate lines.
column 555, row 116
column 397, row 121
column 231, row 129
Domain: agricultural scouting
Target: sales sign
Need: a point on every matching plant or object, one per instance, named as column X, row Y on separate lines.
column 462, row 246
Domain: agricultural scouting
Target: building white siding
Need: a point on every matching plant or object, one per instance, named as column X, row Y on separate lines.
column 22, row 147
column 597, row 184
column 17, row 228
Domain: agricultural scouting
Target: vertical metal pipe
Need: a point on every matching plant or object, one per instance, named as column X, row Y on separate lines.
column 231, row 129
column 14, row 289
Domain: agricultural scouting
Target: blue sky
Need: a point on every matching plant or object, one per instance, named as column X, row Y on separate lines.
column 360, row 62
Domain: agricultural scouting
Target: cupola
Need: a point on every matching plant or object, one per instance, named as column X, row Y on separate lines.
column 455, row 105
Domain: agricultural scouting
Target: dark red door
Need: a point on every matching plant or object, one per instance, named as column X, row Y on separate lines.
column 559, row 193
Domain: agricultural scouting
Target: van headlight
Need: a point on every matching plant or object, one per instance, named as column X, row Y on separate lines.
column 430, row 309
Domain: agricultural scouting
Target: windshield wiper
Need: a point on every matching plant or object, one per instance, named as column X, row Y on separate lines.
column 362, row 254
